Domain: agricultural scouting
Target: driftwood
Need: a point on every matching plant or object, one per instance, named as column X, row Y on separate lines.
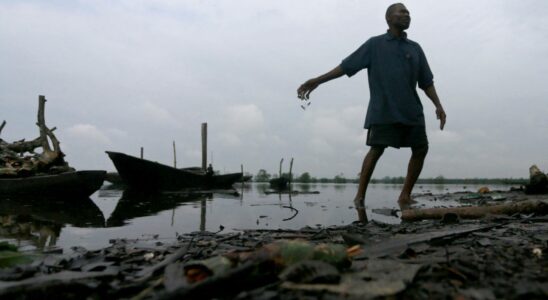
column 293, row 209
column 20, row 159
column 475, row 212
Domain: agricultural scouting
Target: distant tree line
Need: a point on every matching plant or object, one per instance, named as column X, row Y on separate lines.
column 264, row 176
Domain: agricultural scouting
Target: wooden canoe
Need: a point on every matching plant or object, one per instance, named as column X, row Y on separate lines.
column 68, row 184
column 144, row 174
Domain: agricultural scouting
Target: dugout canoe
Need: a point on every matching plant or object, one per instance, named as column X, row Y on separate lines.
column 75, row 184
column 143, row 174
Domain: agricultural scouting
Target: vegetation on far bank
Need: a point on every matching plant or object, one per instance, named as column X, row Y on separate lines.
column 264, row 176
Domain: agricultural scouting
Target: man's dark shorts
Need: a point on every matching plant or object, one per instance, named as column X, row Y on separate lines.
column 397, row 136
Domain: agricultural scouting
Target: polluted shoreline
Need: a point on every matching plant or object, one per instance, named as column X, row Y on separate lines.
column 496, row 256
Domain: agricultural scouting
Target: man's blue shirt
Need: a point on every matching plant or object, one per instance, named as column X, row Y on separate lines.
column 394, row 67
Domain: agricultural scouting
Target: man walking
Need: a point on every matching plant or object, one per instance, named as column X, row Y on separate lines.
column 395, row 118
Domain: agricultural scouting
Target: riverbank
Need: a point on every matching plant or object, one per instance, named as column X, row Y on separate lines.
column 495, row 257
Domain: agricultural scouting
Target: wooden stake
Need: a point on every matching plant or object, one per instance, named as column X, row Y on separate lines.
column 204, row 146
column 174, row 155
column 280, row 172
column 203, row 215
column 290, row 168
column 142, row 151
column 2, row 126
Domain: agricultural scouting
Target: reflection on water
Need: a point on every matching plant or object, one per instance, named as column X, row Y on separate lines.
column 37, row 222
column 339, row 187
column 24, row 230
column 130, row 214
column 135, row 204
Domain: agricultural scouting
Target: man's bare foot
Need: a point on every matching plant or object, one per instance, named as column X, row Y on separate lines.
column 362, row 215
column 403, row 206
column 406, row 199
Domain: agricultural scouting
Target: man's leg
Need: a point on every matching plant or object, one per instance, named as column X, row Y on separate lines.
column 413, row 171
column 368, row 166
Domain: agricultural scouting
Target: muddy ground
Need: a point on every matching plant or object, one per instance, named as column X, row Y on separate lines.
column 492, row 258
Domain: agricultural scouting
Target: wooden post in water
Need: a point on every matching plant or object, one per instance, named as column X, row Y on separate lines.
column 174, row 155
column 289, row 179
column 203, row 215
column 242, row 168
column 204, row 146
column 290, row 168
column 142, row 150
column 280, row 172
column 2, row 126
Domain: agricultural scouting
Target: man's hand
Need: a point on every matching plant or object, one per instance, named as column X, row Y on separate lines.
column 440, row 113
column 306, row 88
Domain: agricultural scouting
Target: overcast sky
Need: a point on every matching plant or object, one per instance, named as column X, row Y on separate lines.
column 124, row 74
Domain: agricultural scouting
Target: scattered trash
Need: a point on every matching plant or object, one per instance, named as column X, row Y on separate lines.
column 472, row 196
column 537, row 252
column 149, row 256
column 390, row 212
column 498, row 197
column 311, row 271
column 483, row 190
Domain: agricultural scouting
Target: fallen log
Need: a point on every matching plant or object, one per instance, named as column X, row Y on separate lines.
column 476, row 212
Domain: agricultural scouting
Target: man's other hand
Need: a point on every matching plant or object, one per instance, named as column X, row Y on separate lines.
column 440, row 113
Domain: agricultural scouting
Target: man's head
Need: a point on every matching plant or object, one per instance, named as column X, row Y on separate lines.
column 397, row 16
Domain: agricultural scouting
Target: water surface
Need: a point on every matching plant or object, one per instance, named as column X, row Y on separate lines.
column 114, row 213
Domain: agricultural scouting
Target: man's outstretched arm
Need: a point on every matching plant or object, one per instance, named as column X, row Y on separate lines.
column 306, row 88
column 440, row 113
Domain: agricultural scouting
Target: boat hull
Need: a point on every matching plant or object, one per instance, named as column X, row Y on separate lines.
column 144, row 174
column 69, row 184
